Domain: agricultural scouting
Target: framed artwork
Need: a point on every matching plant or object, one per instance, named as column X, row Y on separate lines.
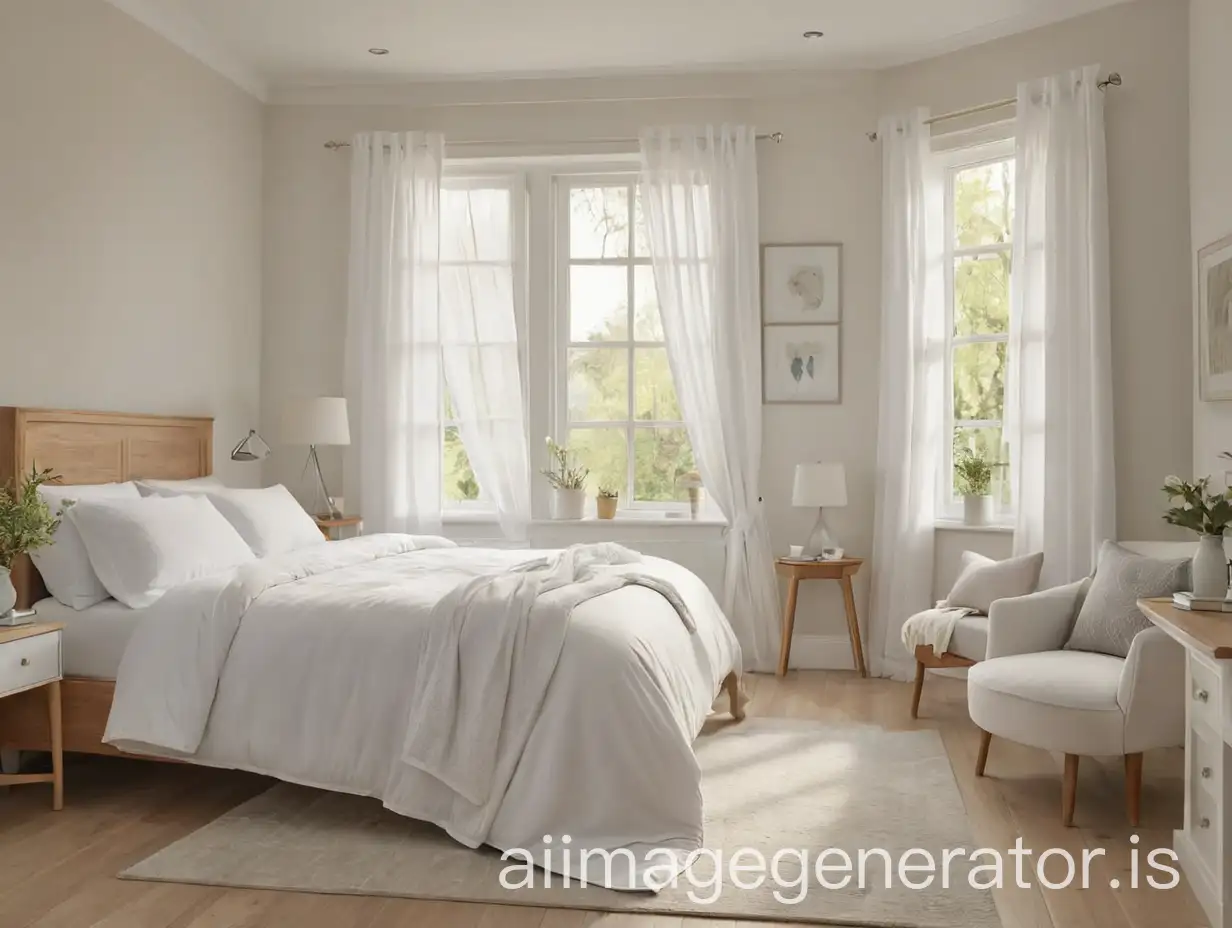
column 801, row 284
column 1215, row 321
column 801, row 364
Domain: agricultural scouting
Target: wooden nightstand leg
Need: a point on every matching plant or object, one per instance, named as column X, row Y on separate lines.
column 57, row 745
column 789, row 624
column 853, row 626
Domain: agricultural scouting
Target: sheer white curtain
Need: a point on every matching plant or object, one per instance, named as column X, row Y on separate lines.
column 479, row 339
column 699, row 196
column 911, row 413
column 393, row 352
column 1059, row 390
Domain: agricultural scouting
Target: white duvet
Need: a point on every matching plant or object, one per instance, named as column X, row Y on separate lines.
column 307, row 667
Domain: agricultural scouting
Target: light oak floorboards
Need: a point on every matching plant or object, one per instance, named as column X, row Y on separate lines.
column 57, row 869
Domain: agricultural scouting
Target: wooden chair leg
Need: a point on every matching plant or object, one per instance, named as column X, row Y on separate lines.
column 1133, row 787
column 1069, row 790
column 981, row 761
column 919, row 689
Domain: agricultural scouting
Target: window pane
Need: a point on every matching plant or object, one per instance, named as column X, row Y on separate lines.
column 599, row 222
column 598, row 304
column 654, row 395
column 457, row 478
column 641, row 234
column 984, row 203
column 661, row 458
column 990, row 443
column 979, row 380
column 476, row 224
column 604, row 451
column 647, row 326
column 598, row 384
column 982, row 295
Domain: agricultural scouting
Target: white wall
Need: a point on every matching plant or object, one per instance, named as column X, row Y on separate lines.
column 1210, row 160
column 130, row 223
column 1148, row 168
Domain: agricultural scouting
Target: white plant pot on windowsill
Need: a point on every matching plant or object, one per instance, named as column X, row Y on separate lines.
column 567, row 505
column 978, row 510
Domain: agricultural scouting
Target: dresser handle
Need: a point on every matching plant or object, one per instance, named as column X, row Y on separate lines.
column 1205, row 823
column 1206, row 773
column 25, row 662
column 1202, row 696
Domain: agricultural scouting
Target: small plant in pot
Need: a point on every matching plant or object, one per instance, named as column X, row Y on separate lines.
column 1208, row 514
column 605, row 502
column 568, row 481
column 974, row 478
column 26, row 523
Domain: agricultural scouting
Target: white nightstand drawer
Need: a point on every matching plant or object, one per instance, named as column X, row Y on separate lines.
column 1204, row 827
column 29, row 662
column 1204, row 695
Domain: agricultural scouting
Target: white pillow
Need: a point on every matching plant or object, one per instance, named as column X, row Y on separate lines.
column 175, row 487
column 983, row 580
column 65, row 565
column 271, row 520
column 143, row 547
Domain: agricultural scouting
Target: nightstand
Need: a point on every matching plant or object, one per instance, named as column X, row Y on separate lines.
column 329, row 526
column 30, row 658
column 842, row 571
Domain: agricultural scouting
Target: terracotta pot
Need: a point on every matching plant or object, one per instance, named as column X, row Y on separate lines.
column 605, row 506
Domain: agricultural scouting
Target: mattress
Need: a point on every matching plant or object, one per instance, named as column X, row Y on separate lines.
column 94, row 639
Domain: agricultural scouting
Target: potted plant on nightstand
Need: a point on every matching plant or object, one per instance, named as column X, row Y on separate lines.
column 974, row 473
column 26, row 523
column 568, row 481
column 1208, row 514
column 605, row 502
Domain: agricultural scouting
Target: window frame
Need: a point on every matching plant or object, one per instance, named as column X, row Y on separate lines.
column 949, row 163
column 563, row 182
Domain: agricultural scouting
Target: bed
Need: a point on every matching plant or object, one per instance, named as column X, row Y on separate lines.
column 623, row 698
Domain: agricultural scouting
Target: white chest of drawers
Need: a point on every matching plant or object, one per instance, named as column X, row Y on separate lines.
column 30, row 658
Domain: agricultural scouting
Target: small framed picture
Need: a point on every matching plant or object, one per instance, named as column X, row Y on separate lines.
column 801, row 284
column 801, row 364
column 1215, row 321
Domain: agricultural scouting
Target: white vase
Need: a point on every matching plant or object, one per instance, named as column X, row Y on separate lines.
column 567, row 505
column 8, row 595
column 978, row 510
column 1209, row 569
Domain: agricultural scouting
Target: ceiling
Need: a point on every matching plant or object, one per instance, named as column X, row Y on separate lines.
column 296, row 43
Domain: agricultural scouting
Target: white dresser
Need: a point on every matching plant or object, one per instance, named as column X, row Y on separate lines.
column 1204, row 844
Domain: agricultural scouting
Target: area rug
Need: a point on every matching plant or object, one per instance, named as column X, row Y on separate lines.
column 778, row 787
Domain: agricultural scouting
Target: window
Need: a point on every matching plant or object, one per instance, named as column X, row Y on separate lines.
column 979, row 205
column 615, row 398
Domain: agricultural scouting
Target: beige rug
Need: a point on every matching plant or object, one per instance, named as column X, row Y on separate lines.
column 769, row 785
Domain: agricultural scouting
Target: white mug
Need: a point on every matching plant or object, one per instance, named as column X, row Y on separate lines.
column 796, row 551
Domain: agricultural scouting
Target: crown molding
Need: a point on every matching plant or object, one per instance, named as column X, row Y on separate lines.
column 183, row 31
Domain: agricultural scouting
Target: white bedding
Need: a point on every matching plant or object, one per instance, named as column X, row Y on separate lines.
column 94, row 639
column 302, row 666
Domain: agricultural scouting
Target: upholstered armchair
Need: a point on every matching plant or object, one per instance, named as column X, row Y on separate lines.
column 1030, row 690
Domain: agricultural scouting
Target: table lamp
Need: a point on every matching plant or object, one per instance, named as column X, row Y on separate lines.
column 321, row 420
column 820, row 485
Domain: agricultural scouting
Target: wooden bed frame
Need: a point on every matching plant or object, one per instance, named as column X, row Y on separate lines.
column 84, row 448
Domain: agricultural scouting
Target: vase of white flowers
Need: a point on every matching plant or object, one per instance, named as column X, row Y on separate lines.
column 568, row 481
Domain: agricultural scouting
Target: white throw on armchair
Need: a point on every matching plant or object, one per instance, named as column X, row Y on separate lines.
column 1031, row 691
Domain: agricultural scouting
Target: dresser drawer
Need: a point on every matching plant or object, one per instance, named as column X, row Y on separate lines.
column 1204, row 827
column 1205, row 758
column 29, row 662
column 1204, row 693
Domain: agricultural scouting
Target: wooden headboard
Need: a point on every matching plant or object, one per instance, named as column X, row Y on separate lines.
column 98, row 447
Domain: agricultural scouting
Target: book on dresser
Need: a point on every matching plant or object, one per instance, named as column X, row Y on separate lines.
column 1192, row 603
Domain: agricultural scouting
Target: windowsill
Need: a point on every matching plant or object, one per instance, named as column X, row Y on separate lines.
column 957, row 525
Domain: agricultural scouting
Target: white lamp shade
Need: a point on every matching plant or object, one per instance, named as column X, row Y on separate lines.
column 321, row 420
column 819, row 485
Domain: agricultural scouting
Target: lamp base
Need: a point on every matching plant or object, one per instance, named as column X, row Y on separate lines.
column 821, row 544
column 322, row 502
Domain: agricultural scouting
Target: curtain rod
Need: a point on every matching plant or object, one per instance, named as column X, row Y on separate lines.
column 334, row 145
column 1112, row 80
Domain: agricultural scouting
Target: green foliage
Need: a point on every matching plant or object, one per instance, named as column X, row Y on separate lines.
column 1198, row 510
column 607, row 492
column 564, row 474
column 458, row 477
column 26, row 522
column 973, row 472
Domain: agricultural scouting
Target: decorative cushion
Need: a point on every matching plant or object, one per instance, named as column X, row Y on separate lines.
column 271, row 520
column 1109, row 617
column 983, row 580
column 151, row 487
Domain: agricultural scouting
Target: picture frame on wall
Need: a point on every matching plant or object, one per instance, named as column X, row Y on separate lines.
column 801, row 284
column 801, row 364
column 1215, row 321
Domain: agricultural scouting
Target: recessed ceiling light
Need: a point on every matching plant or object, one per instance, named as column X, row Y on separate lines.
column 814, row 34
column 378, row 51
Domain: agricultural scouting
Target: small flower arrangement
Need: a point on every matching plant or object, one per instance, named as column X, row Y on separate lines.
column 564, row 474
column 1198, row 509
column 974, row 471
column 26, row 521
column 605, row 492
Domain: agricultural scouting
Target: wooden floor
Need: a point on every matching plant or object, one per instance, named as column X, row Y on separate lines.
column 57, row 869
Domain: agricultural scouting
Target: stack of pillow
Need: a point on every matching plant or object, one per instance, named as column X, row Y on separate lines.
column 134, row 541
